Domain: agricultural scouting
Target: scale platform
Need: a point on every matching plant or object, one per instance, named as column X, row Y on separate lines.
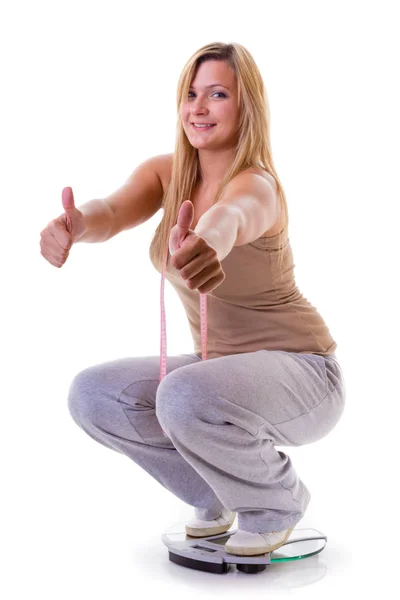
column 208, row 553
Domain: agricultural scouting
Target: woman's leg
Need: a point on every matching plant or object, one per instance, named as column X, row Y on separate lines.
column 225, row 416
column 114, row 403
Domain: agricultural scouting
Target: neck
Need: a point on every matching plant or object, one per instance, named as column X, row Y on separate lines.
column 214, row 164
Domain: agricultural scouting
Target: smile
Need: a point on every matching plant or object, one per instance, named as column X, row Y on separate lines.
column 203, row 128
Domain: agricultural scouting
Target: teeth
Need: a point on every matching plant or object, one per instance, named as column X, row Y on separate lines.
column 202, row 124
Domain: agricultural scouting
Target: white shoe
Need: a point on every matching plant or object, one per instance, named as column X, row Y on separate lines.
column 201, row 528
column 246, row 543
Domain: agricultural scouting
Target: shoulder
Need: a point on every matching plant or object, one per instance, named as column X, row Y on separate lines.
column 245, row 175
column 261, row 185
column 163, row 166
column 254, row 180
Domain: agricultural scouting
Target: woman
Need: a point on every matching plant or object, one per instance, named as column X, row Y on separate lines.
column 272, row 376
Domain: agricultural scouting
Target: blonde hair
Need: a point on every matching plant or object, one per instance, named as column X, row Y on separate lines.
column 253, row 146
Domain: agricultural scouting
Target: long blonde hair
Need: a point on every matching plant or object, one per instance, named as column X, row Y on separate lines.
column 253, row 147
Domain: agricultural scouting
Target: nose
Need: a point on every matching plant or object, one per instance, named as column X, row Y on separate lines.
column 198, row 107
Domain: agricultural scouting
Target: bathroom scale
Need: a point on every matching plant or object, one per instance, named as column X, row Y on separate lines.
column 208, row 553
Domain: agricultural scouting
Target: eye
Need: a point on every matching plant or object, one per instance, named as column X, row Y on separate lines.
column 220, row 93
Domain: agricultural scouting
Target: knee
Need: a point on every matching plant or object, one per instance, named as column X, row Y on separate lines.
column 164, row 404
column 81, row 396
column 178, row 398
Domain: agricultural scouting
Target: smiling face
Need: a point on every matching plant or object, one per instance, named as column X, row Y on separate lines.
column 210, row 103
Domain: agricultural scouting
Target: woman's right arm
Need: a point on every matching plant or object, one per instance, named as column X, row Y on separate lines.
column 136, row 201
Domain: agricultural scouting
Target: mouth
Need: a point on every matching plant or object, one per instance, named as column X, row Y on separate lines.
column 204, row 127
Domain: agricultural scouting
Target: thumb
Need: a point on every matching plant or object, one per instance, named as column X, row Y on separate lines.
column 180, row 230
column 67, row 197
column 185, row 218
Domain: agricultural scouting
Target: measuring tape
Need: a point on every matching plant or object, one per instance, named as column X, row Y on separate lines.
column 203, row 322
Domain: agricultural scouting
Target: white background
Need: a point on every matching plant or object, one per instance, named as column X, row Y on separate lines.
column 89, row 93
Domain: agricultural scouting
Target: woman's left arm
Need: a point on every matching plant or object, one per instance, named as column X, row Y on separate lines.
column 248, row 208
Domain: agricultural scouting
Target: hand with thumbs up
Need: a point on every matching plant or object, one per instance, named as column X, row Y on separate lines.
column 192, row 255
column 60, row 233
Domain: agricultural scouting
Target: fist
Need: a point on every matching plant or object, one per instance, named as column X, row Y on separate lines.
column 194, row 258
column 57, row 237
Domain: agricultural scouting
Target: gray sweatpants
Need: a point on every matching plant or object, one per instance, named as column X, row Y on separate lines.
column 223, row 417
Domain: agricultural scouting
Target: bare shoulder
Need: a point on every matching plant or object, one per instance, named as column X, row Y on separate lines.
column 262, row 173
column 163, row 165
column 278, row 224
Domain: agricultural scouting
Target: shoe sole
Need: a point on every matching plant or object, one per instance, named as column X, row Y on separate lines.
column 244, row 551
column 202, row 532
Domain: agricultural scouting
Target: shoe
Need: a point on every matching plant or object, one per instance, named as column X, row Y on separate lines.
column 245, row 543
column 200, row 528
